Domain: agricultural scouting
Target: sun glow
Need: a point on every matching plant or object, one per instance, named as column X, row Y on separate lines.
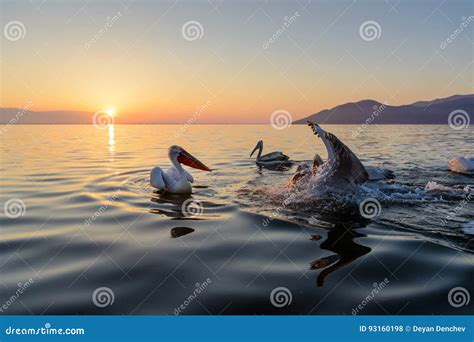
column 110, row 112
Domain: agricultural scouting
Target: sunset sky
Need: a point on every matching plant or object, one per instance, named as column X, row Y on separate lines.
column 143, row 67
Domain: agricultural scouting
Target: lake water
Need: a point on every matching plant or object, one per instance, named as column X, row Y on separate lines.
column 87, row 219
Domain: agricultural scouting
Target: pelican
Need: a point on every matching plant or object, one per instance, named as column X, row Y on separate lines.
column 461, row 164
column 342, row 165
column 306, row 170
column 273, row 159
column 176, row 179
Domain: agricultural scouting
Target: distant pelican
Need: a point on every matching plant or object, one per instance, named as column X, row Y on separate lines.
column 176, row 179
column 272, row 160
column 461, row 164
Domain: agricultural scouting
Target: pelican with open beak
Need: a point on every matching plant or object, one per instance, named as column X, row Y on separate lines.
column 176, row 179
column 273, row 159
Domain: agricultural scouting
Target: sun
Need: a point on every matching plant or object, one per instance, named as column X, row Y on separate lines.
column 110, row 112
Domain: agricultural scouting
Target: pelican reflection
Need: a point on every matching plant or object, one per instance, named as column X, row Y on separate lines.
column 340, row 240
column 177, row 232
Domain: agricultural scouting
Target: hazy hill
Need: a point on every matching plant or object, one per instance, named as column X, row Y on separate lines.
column 421, row 112
column 21, row 116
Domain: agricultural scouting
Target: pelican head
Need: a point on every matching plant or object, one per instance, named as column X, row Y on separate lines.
column 318, row 131
column 317, row 161
column 184, row 157
column 259, row 146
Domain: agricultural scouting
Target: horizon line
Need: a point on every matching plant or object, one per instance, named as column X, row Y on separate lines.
column 214, row 123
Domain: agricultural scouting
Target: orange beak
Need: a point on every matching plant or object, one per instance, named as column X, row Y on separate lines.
column 186, row 158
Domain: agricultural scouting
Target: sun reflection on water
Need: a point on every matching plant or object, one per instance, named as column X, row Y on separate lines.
column 112, row 140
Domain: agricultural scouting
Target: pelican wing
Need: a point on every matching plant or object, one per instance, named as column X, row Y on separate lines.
column 156, row 178
column 348, row 165
column 274, row 156
column 188, row 176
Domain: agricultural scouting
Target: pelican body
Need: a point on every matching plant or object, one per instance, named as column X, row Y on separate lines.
column 176, row 179
column 342, row 166
column 273, row 159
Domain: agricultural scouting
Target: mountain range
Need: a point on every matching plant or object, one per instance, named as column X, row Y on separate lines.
column 421, row 112
column 433, row 112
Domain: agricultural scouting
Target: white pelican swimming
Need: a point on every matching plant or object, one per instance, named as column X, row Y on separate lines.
column 462, row 165
column 176, row 179
column 273, row 159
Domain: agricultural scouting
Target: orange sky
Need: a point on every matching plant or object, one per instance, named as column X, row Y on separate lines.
column 143, row 68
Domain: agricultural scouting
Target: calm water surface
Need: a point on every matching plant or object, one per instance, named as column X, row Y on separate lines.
column 91, row 220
